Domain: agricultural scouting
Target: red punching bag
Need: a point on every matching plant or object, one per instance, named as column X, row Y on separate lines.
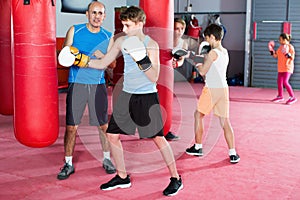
column 161, row 29
column 36, row 121
column 119, row 69
column 6, row 76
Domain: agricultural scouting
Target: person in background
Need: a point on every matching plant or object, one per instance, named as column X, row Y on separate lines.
column 285, row 55
column 87, row 86
column 178, row 41
column 177, row 61
column 183, row 65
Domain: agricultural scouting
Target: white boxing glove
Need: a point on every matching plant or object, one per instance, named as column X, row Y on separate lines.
column 204, row 48
column 137, row 50
column 65, row 57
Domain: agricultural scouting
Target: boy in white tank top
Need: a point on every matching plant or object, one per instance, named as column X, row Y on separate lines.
column 215, row 95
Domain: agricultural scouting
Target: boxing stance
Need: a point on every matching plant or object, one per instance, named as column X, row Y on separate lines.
column 285, row 55
column 215, row 95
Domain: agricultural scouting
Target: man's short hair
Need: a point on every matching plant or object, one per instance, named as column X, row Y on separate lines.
column 134, row 14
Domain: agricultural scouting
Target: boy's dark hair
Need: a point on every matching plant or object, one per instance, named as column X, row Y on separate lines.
column 215, row 30
column 134, row 14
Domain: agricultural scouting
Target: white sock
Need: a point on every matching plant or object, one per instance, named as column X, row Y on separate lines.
column 106, row 154
column 232, row 152
column 198, row 146
column 68, row 160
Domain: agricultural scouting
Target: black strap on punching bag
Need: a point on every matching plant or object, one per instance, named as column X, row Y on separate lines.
column 27, row 2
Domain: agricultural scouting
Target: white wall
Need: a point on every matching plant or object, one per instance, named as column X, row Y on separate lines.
column 65, row 20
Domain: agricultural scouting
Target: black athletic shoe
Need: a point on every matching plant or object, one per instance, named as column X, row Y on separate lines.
column 65, row 172
column 234, row 158
column 173, row 187
column 171, row 137
column 116, row 182
column 194, row 152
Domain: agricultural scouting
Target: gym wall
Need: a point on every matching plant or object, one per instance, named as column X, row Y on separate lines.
column 270, row 17
column 233, row 17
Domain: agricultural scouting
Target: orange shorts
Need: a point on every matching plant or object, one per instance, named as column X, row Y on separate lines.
column 216, row 99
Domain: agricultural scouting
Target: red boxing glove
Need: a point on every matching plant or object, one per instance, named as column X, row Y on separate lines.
column 271, row 46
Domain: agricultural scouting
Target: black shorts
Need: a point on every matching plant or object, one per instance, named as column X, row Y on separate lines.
column 136, row 111
column 95, row 95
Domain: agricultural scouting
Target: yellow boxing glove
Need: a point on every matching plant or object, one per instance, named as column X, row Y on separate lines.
column 71, row 56
column 81, row 60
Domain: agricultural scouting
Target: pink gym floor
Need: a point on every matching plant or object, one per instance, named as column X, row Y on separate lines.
column 267, row 139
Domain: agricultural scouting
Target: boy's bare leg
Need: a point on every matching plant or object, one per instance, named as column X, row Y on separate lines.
column 116, row 149
column 199, row 126
column 228, row 132
column 167, row 155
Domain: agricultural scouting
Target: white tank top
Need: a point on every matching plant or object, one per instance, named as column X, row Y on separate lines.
column 216, row 75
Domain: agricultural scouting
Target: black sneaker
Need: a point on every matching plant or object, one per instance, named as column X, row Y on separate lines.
column 174, row 186
column 194, row 152
column 116, row 182
column 65, row 172
column 108, row 166
column 170, row 136
column 234, row 158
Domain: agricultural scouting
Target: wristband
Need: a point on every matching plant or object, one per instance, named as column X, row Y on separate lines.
column 144, row 64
